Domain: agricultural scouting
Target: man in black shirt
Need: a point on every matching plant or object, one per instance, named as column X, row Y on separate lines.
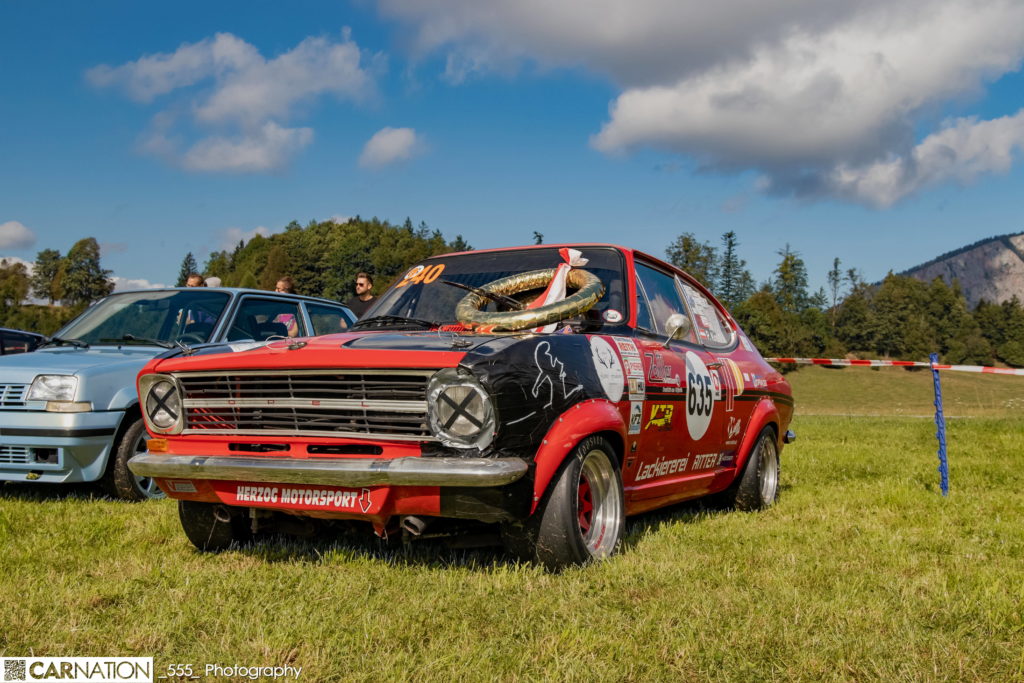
column 363, row 298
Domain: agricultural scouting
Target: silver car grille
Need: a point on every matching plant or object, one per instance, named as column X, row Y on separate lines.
column 367, row 404
column 12, row 396
column 15, row 455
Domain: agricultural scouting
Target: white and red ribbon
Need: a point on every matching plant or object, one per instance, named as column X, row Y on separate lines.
column 857, row 362
column 572, row 258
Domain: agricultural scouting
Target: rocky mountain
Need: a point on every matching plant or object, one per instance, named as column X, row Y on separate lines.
column 992, row 269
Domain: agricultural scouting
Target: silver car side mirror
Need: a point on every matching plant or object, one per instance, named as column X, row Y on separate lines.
column 678, row 326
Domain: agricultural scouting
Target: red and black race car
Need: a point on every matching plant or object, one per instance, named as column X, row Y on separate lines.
column 550, row 391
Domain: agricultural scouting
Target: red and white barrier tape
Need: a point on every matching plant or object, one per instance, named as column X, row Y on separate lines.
column 898, row 364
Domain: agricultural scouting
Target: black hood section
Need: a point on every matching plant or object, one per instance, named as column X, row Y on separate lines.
column 533, row 380
column 415, row 341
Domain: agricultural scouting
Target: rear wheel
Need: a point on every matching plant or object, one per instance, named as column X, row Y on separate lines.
column 582, row 516
column 121, row 482
column 758, row 486
column 212, row 527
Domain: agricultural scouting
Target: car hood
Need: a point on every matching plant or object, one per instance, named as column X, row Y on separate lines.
column 353, row 349
column 23, row 367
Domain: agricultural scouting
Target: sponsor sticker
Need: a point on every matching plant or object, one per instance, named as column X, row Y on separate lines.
column 608, row 367
column 307, row 497
column 661, row 468
column 660, row 417
column 627, row 347
column 181, row 486
column 612, row 316
column 634, row 366
column 637, row 388
column 636, row 416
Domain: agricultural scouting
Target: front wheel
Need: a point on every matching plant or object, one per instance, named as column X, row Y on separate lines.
column 582, row 517
column 212, row 527
column 121, row 482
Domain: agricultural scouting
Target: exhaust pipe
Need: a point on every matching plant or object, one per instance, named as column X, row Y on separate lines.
column 415, row 525
column 222, row 514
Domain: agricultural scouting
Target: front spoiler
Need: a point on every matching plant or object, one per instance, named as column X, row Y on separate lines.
column 406, row 471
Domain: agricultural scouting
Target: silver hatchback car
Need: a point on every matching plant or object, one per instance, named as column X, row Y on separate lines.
column 70, row 411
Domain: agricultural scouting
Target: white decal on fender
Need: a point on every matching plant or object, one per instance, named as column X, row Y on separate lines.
column 609, row 369
column 700, row 396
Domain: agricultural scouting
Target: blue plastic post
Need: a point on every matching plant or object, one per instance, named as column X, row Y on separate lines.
column 940, row 434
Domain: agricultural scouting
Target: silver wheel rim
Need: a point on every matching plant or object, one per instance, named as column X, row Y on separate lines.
column 769, row 470
column 145, row 485
column 599, row 505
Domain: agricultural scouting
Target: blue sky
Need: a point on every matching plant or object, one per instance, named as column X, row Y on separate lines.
column 882, row 135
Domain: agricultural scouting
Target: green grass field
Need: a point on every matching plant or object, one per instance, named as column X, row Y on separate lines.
column 861, row 572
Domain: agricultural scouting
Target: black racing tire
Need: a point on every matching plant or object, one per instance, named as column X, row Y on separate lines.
column 757, row 487
column 583, row 514
column 212, row 527
column 121, row 482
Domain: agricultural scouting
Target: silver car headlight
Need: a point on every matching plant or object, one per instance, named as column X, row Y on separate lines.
column 52, row 388
column 460, row 411
column 161, row 403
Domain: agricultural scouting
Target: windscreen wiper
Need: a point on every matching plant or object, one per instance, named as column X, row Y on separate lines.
column 512, row 304
column 131, row 338
column 60, row 341
column 381, row 320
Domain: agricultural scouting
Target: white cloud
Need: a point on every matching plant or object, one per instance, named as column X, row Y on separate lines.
column 390, row 145
column 14, row 235
column 123, row 283
column 961, row 151
column 230, row 237
column 264, row 149
column 802, row 90
column 339, row 219
column 240, row 102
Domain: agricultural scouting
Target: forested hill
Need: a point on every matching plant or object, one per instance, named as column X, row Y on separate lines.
column 323, row 258
column 992, row 269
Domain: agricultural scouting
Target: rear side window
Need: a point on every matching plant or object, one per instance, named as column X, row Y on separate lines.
column 327, row 319
column 713, row 328
column 263, row 319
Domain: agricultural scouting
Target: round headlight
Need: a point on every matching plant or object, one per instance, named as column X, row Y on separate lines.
column 460, row 411
column 163, row 405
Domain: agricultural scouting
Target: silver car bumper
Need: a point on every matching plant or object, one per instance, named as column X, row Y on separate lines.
column 334, row 472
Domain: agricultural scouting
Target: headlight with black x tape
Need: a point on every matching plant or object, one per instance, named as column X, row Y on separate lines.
column 459, row 410
column 161, row 403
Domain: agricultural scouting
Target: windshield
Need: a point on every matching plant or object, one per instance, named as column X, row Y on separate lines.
column 182, row 315
column 423, row 294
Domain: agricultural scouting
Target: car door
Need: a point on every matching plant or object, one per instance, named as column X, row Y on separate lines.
column 677, row 432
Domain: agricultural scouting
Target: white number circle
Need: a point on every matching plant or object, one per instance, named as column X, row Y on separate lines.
column 700, row 396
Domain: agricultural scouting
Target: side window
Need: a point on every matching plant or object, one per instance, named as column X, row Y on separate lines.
column 658, row 294
column 263, row 319
column 713, row 329
column 326, row 319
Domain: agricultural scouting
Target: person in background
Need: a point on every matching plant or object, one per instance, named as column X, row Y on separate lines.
column 286, row 286
column 195, row 280
column 364, row 297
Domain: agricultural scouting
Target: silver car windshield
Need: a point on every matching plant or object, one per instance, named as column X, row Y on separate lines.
column 189, row 316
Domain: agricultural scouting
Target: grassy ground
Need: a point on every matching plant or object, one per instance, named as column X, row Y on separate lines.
column 896, row 391
column 862, row 571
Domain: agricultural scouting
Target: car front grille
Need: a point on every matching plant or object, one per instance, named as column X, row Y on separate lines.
column 15, row 455
column 12, row 396
column 378, row 404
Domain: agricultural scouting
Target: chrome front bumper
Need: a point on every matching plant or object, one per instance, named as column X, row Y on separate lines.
column 334, row 472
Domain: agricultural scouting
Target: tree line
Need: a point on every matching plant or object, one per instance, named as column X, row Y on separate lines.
column 900, row 317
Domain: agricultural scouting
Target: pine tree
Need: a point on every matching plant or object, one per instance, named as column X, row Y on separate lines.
column 734, row 284
column 188, row 266
column 694, row 257
column 790, row 281
column 835, row 282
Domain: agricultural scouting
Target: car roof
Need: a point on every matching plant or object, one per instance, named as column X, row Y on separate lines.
column 571, row 245
column 236, row 291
